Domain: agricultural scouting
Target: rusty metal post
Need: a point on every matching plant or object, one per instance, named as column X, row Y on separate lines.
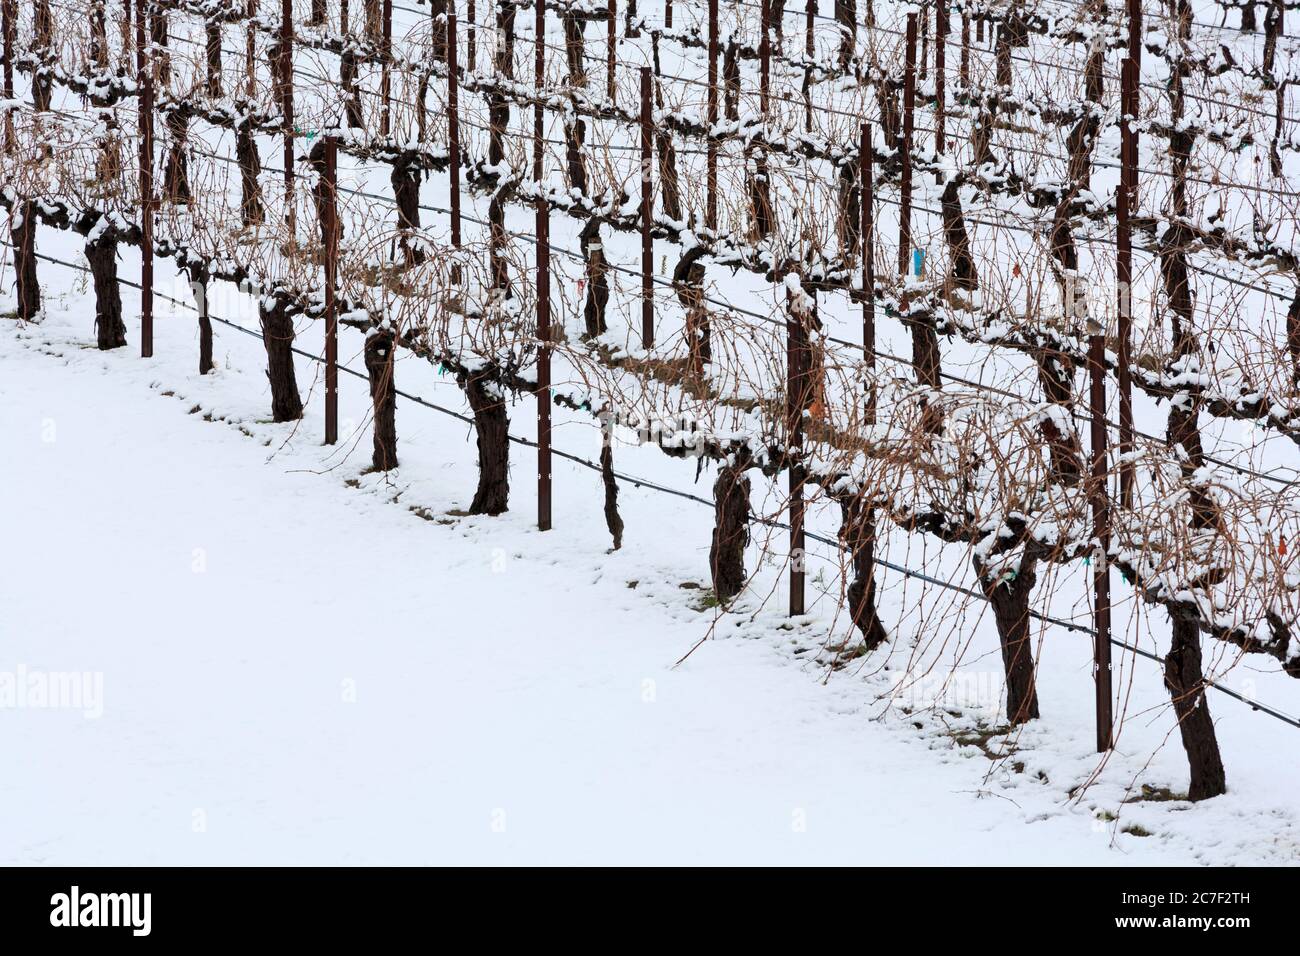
column 543, row 288
column 140, row 34
column 765, row 57
column 940, row 79
column 795, row 357
column 286, row 92
column 1124, row 271
column 611, row 49
column 1130, row 76
column 1101, row 531
column 543, row 366
column 810, row 11
column 965, row 51
column 539, row 76
column 905, row 174
column 647, row 216
column 711, row 185
column 331, row 237
column 250, row 50
column 797, row 543
column 867, row 194
column 8, row 27
column 453, row 126
column 386, row 72
column 924, row 26
column 1135, row 31
column 144, row 69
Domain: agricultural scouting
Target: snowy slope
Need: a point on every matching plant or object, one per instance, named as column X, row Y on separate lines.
column 296, row 668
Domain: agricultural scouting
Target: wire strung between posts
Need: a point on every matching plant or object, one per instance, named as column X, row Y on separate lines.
column 1248, row 472
column 999, row 225
column 688, row 496
column 740, row 310
column 955, row 43
column 825, row 108
column 1267, row 290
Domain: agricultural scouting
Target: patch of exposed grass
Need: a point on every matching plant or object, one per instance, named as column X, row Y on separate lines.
column 1152, row 794
column 982, row 737
column 706, row 601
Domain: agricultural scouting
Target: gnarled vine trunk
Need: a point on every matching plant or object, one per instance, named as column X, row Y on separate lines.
column 731, row 82
column 277, row 336
column 212, row 37
column 1009, row 597
column 158, row 34
column 498, row 123
column 98, row 35
column 575, row 135
column 352, row 99
column 1187, row 690
column 250, row 169
column 383, row 398
column 1293, row 337
column 574, row 48
column 199, row 286
column 848, row 209
column 613, row 520
column 963, row 274
column 858, row 531
column 1056, row 376
column 42, row 47
column 493, row 427
column 593, row 251
column 846, row 15
column 405, row 178
column 688, row 282
column 101, row 254
column 22, row 232
column 670, row 195
column 438, row 29
column 176, row 175
column 760, row 195
column 730, row 531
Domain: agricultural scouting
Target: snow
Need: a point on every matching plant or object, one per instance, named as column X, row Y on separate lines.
column 296, row 669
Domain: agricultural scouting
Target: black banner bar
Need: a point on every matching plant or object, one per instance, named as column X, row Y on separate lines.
column 972, row 907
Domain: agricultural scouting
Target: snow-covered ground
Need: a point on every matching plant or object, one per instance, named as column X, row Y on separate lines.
column 296, row 668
